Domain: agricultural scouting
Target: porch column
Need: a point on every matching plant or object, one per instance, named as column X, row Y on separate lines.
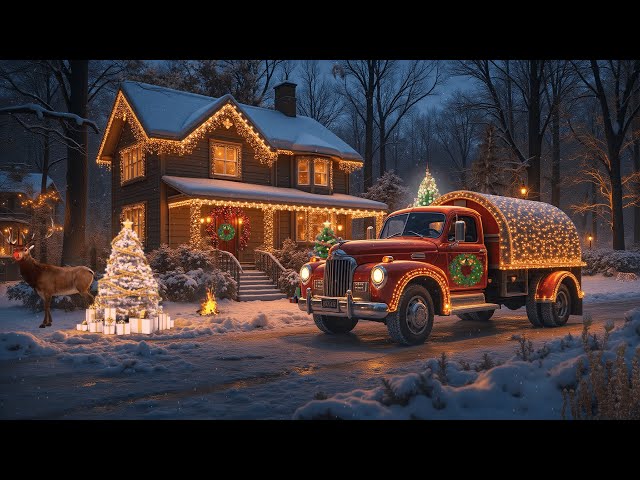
column 269, row 240
column 194, row 226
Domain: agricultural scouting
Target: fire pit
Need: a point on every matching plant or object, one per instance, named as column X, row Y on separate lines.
column 209, row 306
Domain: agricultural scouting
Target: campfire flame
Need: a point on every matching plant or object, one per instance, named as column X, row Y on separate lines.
column 209, row 306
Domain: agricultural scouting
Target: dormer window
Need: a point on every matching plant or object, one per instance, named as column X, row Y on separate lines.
column 225, row 159
column 316, row 169
column 131, row 164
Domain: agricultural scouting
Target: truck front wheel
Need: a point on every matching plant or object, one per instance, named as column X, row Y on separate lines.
column 334, row 324
column 412, row 322
column 556, row 314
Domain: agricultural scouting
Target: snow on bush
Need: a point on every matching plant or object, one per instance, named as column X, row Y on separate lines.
column 389, row 189
column 527, row 386
column 288, row 281
column 22, row 292
column 291, row 255
column 609, row 262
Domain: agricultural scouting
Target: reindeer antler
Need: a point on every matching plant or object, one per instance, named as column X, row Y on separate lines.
column 51, row 229
column 11, row 240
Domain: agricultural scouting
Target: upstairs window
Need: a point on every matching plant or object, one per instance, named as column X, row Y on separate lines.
column 131, row 164
column 303, row 171
column 321, row 172
column 225, row 159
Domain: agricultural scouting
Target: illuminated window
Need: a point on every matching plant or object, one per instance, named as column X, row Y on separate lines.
column 303, row 171
column 132, row 164
column 136, row 213
column 321, row 172
column 301, row 226
column 225, row 159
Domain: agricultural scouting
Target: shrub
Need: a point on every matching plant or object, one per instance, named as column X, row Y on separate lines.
column 288, row 281
column 22, row 292
column 291, row 255
column 608, row 261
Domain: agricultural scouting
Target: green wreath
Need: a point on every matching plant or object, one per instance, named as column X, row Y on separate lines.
column 466, row 270
column 226, row 232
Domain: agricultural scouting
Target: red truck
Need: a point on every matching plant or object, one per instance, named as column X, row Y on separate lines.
column 467, row 254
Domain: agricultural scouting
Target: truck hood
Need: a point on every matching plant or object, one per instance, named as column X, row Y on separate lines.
column 391, row 246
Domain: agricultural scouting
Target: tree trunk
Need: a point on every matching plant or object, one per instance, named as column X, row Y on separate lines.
column 368, row 128
column 75, row 211
column 535, row 144
column 43, row 224
column 383, row 148
column 555, row 156
column 594, row 217
column 616, row 200
column 636, row 210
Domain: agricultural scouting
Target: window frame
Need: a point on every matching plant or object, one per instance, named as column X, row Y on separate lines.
column 308, row 172
column 324, row 161
column 212, row 159
column 142, row 225
column 128, row 171
column 462, row 217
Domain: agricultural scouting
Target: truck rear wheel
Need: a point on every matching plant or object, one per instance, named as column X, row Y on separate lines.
column 533, row 308
column 412, row 322
column 556, row 313
column 333, row 325
column 482, row 316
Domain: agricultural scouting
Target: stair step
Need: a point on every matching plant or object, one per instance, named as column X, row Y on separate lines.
column 244, row 293
column 253, row 273
column 244, row 286
column 478, row 307
column 267, row 296
column 463, row 299
column 261, row 281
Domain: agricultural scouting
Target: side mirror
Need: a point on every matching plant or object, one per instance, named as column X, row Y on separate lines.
column 459, row 226
column 370, row 232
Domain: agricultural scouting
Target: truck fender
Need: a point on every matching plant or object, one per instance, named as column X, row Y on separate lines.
column 402, row 272
column 548, row 289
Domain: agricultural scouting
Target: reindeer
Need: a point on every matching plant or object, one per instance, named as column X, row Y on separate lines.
column 49, row 280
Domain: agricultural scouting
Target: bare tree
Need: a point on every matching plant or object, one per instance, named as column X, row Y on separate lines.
column 498, row 80
column 317, row 97
column 399, row 87
column 457, row 131
column 613, row 83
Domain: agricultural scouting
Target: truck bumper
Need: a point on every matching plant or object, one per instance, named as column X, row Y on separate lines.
column 345, row 307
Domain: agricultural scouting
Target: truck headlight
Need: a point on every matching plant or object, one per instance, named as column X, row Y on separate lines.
column 305, row 273
column 378, row 276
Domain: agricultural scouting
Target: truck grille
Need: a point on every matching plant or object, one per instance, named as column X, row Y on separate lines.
column 338, row 276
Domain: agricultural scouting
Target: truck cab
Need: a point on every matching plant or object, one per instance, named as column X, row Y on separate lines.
column 435, row 260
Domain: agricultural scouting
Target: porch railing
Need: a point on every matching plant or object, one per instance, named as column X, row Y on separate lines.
column 269, row 264
column 227, row 262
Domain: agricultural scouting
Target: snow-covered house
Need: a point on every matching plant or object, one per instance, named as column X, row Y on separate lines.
column 179, row 160
column 17, row 184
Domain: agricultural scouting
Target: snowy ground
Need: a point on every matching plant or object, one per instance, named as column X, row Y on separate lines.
column 255, row 360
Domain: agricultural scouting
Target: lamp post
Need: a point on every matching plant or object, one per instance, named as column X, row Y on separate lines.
column 523, row 191
column 590, row 238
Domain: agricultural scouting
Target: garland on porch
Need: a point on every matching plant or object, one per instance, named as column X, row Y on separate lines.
column 228, row 214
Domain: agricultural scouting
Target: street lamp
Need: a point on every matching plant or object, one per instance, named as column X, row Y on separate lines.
column 523, row 191
column 590, row 238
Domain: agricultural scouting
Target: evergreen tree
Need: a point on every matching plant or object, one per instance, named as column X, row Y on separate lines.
column 324, row 241
column 128, row 283
column 389, row 189
column 427, row 191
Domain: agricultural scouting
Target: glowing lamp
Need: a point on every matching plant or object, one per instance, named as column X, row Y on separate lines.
column 523, row 190
column 339, row 228
column 590, row 238
column 201, row 220
column 305, row 273
column 378, row 276
column 240, row 221
column 208, row 219
column 387, row 259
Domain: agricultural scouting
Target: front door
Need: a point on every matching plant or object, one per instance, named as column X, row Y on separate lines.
column 227, row 231
column 467, row 261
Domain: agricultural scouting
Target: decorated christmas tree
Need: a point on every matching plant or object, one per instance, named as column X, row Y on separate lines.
column 427, row 191
column 324, row 241
column 128, row 284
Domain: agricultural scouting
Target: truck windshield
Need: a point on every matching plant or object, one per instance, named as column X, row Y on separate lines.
column 414, row 224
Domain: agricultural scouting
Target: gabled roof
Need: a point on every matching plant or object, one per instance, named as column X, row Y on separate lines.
column 238, row 191
column 165, row 113
column 28, row 185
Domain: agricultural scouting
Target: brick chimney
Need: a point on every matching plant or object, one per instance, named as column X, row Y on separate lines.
column 286, row 98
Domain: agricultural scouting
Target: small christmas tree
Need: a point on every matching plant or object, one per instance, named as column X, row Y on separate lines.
column 324, row 241
column 427, row 191
column 128, row 284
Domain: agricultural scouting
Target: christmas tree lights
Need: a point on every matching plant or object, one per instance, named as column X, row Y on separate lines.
column 128, row 284
column 427, row 191
column 324, row 241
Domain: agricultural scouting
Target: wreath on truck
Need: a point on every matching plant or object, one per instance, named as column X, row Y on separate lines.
column 466, row 269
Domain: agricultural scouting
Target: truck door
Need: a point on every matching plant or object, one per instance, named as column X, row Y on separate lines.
column 466, row 261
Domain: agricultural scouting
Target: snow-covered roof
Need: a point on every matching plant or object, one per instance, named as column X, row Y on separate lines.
column 225, row 189
column 28, row 185
column 173, row 114
column 532, row 234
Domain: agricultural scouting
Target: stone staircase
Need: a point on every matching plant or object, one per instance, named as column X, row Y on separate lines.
column 256, row 285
